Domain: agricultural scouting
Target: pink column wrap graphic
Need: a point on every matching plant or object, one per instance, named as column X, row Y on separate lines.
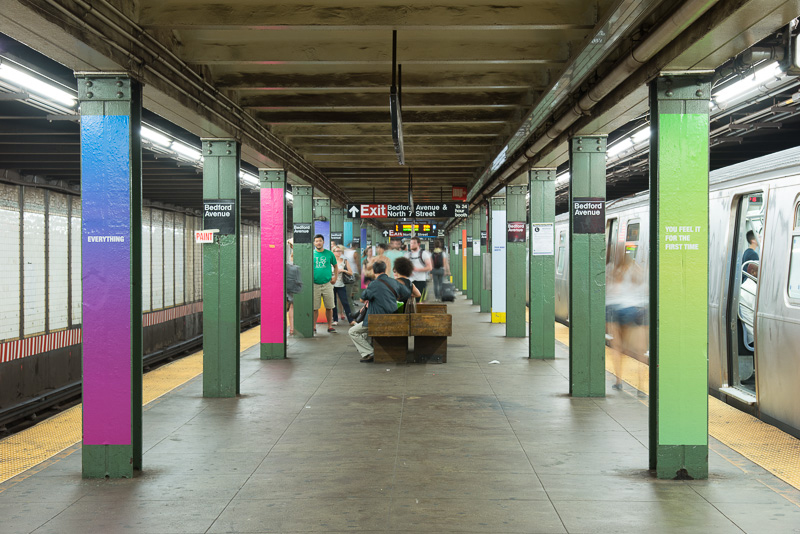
column 273, row 259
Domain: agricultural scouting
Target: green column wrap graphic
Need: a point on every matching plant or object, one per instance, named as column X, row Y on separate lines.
column 485, row 288
column 516, row 259
column 273, row 179
column 116, row 94
column 587, row 275
column 679, row 167
column 542, row 268
column 303, row 258
column 477, row 265
column 221, row 272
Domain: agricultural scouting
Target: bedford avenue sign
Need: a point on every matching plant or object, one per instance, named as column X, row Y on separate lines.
column 402, row 211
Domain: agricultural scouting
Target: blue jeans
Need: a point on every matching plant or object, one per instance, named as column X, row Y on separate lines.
column 340, row 294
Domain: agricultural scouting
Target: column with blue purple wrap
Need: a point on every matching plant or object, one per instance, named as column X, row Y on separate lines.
column 111, row 191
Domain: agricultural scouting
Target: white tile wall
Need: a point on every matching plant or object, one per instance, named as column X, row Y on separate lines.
column 157, row 256
column 33, row 261
column 146, row 260
column 58, row 268
column 189, row 259
column 9, row 261
column 179, row 250
column 75, row 267
column 198, row 265
column 169, row 259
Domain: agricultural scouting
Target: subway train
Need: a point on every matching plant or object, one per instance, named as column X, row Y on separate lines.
column 753, row 299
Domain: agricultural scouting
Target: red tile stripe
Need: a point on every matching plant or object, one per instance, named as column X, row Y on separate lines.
column 21, row 348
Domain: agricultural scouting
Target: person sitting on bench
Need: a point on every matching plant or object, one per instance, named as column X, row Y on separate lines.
column 381, row 296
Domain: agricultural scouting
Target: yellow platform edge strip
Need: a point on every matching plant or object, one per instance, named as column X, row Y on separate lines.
column 34, row 445
column 761, row 443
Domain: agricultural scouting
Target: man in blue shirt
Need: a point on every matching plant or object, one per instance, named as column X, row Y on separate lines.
column 381, row 296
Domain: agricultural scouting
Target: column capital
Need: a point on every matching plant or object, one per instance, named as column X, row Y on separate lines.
column 588, row 143
column 218, row 147
column 684, row 85
column 517, row 189
column 105, row 86
column 301, row 190
column 270, row 176
column 542, row 174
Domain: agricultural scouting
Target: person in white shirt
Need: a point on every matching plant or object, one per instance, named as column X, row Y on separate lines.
column 421, row 259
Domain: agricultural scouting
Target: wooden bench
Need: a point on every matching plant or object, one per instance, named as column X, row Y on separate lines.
column 430, row 327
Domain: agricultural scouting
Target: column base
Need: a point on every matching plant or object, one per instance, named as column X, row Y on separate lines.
column 107, row 461
column 273, row 351
column 682, row 462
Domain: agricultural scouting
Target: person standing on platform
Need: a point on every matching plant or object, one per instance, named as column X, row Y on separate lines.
column 393, row 253
column 339, row 288
column 421, row 259
column 381, row 296
column 441, row 268
column 294, row 285
column 379, row 256
column 326, row 271
column 353, row 257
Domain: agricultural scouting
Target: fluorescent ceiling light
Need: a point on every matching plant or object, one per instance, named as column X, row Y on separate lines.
column 155, row 137
column 249, row 178
column 35, row 85
column 770, row 72
column 640, row 136
column 187, row 151
column 620, row 146
column 561, row 179
column 289, row 196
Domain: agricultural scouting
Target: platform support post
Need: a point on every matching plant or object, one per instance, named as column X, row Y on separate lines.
column 476, row 259
column 498, row 228
column 337, row 227
column 111, row 255
column 221, row 269
column 485, row 289
column 542, row 268
column 462, row 250
column 455, row 256
column 679, row 166
column 587, row 275
column 303, row 231
column 273, row 263
column 516, row 259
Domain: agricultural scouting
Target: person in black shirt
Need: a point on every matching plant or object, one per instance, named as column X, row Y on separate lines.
column 750, row 253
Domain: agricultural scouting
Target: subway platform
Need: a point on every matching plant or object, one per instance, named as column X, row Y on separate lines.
column 322, row 443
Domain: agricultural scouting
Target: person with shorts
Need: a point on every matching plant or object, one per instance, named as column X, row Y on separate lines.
column 421, row 260
column 326, row 271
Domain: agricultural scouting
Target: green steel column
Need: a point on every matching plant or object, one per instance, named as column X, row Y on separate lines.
column 477, row 266
column 542, row 270
column 587, row 273
column 466, row 226
column 485, row 286
column 337, row 226
column 516, row 259
column 273, row 263
column 303, row 215
column 221, row 272
column 679, row 168
column 111, row 255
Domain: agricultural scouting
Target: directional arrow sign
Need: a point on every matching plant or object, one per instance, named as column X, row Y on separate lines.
column 385, row 233
column 378, row 211
column 354, row 211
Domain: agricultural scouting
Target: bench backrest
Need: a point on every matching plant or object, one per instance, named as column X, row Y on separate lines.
column 431, row 308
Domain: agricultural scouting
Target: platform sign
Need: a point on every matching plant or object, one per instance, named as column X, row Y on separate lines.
column 404, row 211
column 302, row 233
column 337, row 237
column 483, row 238
column 516, row 231
column 204, row 236
column 442, row 210
column 588, row 215
column 220, row 215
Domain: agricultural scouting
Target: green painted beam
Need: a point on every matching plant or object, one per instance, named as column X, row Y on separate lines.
column 516, row 259
column 542, row 266
column 587, row 275
column 485, row 285
column 679, row 168
column 221, row 272
column 303, row 214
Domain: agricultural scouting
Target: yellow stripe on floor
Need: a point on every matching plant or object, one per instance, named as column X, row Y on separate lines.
column 759, row 442
column 34, row 445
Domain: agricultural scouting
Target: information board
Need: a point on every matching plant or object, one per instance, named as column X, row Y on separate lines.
column 542, row 239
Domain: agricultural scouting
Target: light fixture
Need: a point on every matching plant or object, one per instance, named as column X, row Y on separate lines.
column 770, row 72
column 620, row 146
column 186, row 151
column 155, row 137
column 249, row 178
column 36, row 86
column 289, row 196
column 562, row 178
column 641, row 135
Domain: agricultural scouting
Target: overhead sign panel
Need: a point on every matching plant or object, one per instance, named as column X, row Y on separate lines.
column 399, row 211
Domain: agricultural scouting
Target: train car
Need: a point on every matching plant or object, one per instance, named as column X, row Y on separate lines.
column 753, row 297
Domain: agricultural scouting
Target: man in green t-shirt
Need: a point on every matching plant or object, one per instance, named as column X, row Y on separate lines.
column 326, row 271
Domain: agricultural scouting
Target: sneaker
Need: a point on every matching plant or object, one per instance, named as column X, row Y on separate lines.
column 334, row 323
column 332, row 330
column 368, row 358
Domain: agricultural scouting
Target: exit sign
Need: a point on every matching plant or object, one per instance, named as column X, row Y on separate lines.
column 459, row 193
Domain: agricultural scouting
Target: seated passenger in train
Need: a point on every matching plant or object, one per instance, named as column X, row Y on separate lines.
column 750, row 253
column 747, row 301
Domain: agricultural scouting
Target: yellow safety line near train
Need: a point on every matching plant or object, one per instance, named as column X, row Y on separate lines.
column 34, row 445
column 763, row 444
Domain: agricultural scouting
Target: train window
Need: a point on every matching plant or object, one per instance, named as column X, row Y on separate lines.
column 562, row 247
column 794, row 262
column 632, row 239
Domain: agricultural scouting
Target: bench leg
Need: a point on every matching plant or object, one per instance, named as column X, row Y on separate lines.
column 430, row 349
column 390, row 349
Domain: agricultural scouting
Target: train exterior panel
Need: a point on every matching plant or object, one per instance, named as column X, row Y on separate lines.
column 754, row 359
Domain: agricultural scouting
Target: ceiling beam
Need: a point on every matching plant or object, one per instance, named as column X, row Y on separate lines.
column 450, row 99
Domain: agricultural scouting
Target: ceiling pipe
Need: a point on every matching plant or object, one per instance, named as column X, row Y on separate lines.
column 655, row 41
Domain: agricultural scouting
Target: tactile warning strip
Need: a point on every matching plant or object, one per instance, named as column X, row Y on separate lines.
column 759, row 442
column 34, row 445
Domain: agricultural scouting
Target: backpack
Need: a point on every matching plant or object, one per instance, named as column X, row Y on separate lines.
column 438, row 260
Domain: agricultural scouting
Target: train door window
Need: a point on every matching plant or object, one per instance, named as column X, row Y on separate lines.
column 794, row 265
column 612, row 228
column 562, row 248
column 632, row 239
column 743, row 291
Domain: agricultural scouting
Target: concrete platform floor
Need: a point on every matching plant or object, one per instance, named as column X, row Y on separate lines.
column 322, row 443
